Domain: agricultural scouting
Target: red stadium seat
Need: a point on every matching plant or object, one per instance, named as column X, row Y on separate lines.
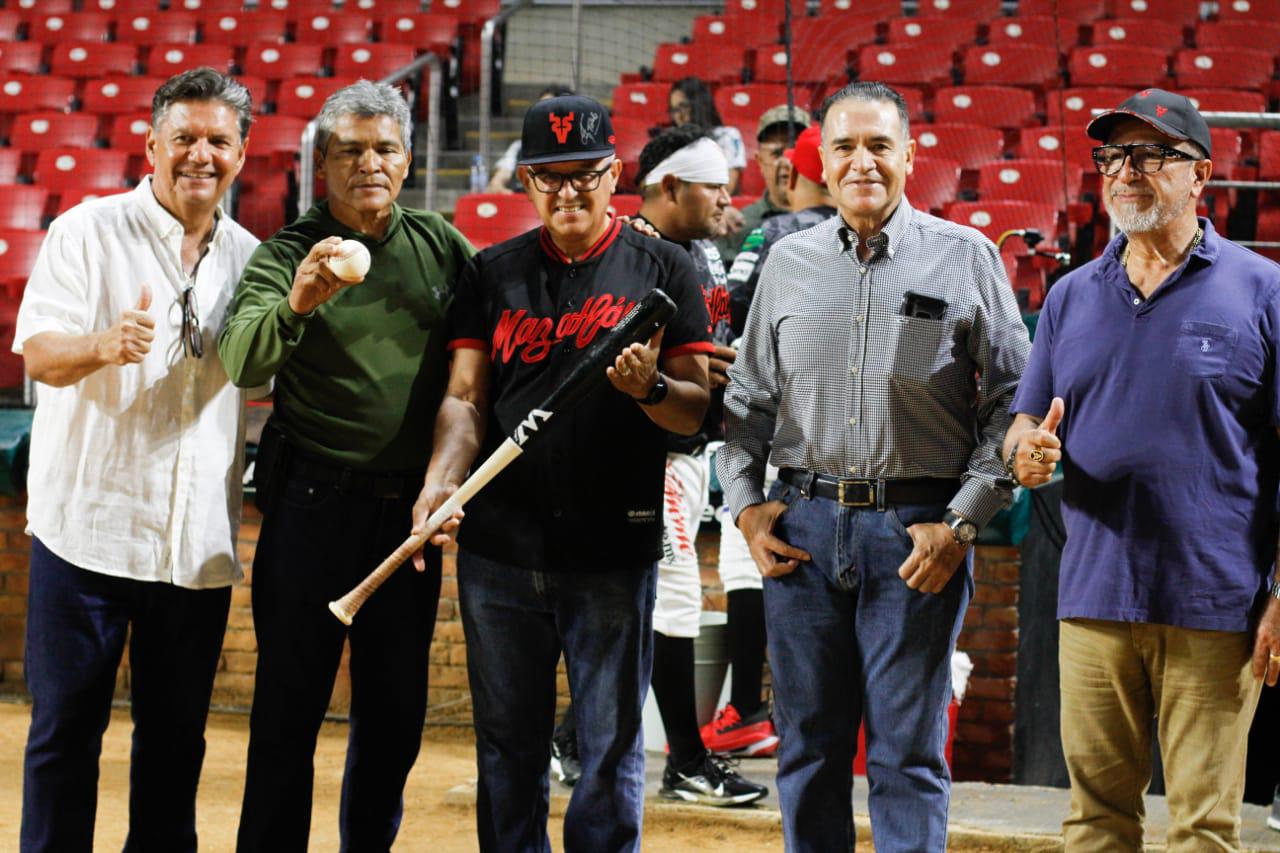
column 31, row 8
column 1226, row 67
column 672, row 62
column 710, row 31
column 1047, row 143
column 172, row 59
column 632, row 135
column 1182, row 12
column 1139, row 32
column 38, row 131
column 18, row 250
column 919, row 65
column 128, row 131
column 1041, row 181
column 469, row 11
column 296, row 9
column 1249, row 10
column 914, row 99
column 208, row 7
column 874, row 9
column 1226, row 100
column 373, row 62
column 487, row 219
column 383, row 7
column 643, row 101
column 10, row 163
column 1131, row 67
column 983, row 10
column 995, row 218
column 21, row 56
column 22, row 206
column 969, row 145
column 68, row 199
column 152, row 28
column 1250, row 35
column 743, row 104
column 332, row 28
column 1269, row 156
column 273, row 61
column 850, row 31
column 770, row 8
column 812, row 61
column 257, row 87
column 262, row 215
column 1011, row 65
column 119, row 94
column 122, row 7
column 991, row 106
column 241, row 29
column 1077, row 104
column 749, row 29
column 80, row 26
column 1036, row 29
column 625, row 204
column 10, row 24
column 955, row 32
column 64, row 168
column 92, row 59
column 1081, row 11
column 272, row 133
column 436, row 33
column 933, row 183
column 21, row 93
column 303, row 96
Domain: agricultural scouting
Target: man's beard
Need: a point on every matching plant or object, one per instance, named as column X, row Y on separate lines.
column 1132, row 221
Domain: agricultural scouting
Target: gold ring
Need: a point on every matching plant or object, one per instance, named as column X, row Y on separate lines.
column 1037, row 455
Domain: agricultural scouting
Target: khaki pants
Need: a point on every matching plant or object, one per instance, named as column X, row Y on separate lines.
column 1116, row 676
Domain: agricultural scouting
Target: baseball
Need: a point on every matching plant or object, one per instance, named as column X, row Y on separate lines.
column 351, row 263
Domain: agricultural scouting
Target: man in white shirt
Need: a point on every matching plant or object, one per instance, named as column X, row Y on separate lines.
column 135, row 480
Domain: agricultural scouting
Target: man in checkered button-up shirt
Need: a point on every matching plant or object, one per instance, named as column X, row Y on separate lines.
column 856, row 377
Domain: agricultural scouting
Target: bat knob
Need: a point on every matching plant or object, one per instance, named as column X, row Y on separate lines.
column 337, row 610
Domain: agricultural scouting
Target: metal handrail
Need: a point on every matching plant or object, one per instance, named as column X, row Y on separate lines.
column 487, row 33
column 435, row 80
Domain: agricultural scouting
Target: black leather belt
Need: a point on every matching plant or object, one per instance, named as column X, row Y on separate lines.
column 373, row 484
column 872, row 494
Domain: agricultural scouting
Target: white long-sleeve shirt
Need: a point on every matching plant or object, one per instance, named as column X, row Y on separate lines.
column 136, row 470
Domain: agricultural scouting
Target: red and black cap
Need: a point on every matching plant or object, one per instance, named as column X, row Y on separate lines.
column 1171, row 114
column 571, row 127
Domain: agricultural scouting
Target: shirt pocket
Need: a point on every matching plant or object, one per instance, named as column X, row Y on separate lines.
column 920, row 349
column 1204, row 349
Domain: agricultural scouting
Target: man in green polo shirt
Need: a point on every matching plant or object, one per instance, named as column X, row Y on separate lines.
column 359, row 371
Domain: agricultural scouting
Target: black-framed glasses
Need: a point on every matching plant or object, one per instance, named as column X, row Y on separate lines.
column 1147, row 157
column 584, row 182
column 192, row 341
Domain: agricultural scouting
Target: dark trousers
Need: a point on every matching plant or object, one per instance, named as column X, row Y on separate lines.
column 517, row 623
column 77, row 622
column 316, row 543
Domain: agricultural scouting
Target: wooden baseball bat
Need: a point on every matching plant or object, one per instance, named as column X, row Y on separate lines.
column 640, row 324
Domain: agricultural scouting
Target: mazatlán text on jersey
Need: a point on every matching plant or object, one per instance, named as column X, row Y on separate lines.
column 518, row 328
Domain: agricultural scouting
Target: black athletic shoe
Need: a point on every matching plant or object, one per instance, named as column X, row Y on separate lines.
column 1273, row 820
column 711, row 781
column 564, row 761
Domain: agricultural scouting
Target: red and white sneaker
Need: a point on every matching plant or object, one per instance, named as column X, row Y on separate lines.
column 730, row 734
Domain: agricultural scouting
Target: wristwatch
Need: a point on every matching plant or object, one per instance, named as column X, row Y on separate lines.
column 656, row 394
column 1274, row 590
column 965, row 531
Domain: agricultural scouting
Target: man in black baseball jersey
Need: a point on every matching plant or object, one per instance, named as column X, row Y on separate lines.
column 683, row 178
column 558, row 552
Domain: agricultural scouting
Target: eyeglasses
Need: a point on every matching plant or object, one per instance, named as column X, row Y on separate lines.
column 583, row 182
column 1146, row 157
column 192, row 340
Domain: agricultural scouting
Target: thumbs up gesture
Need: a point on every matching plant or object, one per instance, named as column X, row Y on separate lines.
column 129, row 340
column 1040, row 449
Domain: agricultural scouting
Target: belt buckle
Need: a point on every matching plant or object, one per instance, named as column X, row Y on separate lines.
column 871, row 493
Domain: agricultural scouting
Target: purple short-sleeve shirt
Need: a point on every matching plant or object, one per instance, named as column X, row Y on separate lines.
column 1171, row 456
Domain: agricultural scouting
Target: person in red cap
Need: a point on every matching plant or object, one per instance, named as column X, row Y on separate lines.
column 1153, row 379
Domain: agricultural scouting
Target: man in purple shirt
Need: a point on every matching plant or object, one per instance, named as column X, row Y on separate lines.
column 1153, row 379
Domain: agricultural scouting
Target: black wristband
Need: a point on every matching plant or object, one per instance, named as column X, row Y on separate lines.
column 656, row 394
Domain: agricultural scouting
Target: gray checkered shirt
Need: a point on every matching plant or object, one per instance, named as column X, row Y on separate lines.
column 832, row 378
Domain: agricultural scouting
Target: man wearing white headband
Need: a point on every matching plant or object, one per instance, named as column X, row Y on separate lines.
column 684, row 177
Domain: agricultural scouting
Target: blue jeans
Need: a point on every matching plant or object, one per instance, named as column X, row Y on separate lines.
column 317, row 543
column 517, row 622
column 77, row 621
column 849, row 642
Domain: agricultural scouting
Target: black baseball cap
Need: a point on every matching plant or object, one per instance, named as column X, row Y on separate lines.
column 571, row 127
column 1171, row 114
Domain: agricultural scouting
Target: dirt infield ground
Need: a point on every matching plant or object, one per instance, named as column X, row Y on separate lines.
column 431, row 822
